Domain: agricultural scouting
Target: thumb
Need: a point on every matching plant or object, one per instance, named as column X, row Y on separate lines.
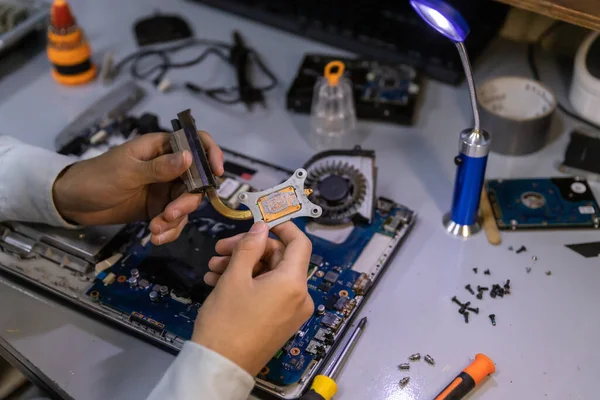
column 167, row 167
column 248, row 251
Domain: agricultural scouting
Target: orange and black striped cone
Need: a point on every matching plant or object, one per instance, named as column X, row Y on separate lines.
column 67, row 49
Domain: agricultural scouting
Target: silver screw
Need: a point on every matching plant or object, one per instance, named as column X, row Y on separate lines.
column 404, row 366
column 429, row 360
column 534, row 258
column 415, row 357
column 404, row 381
column 135, row 273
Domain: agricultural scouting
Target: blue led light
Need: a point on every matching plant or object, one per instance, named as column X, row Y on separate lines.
column 443, row 18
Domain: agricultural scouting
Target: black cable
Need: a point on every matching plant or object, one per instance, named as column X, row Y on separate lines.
column 536, row 73
column 157, row 72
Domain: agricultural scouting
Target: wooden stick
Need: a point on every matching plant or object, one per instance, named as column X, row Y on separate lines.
column 488, row 220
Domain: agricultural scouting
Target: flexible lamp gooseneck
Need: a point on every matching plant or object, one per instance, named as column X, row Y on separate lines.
column 474, row 144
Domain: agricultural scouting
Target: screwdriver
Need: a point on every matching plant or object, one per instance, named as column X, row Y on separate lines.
column 470, row 377
column 324, row 386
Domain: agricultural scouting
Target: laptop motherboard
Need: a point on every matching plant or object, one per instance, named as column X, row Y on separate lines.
column 157, row 290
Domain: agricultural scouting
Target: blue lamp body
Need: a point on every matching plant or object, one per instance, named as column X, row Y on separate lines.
column 471, row 163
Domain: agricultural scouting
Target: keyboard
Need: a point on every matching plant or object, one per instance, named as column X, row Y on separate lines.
column 384, row 30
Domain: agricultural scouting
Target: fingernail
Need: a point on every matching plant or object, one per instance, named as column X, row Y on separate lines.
column 176, row 214
column 159, row 239
column 186, row 156
column 258, row 227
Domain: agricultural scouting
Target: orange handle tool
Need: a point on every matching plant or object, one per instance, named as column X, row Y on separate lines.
column 470, row 377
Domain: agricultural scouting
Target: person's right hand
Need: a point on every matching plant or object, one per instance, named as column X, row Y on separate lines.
column 261, row 295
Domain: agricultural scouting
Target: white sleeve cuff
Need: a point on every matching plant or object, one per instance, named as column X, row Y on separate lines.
column 27, row 176
column 200, row 373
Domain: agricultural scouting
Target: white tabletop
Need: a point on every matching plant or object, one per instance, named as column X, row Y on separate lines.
column 545, row 344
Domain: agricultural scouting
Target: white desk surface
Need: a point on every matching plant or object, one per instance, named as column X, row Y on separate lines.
column 545, row 344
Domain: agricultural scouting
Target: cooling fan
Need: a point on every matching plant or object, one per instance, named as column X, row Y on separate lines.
column 343, row 184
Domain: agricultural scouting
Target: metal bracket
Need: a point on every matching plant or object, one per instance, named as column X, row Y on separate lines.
column 281, row 203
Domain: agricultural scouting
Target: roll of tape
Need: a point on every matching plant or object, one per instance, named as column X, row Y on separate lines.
column 517, row 112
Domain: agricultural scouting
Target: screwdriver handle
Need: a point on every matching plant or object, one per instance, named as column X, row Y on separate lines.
column 481, row 367
column 323, row 388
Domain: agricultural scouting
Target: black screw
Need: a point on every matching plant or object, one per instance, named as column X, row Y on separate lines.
column 455, row 300
column 466, row 315
column 464, row 307
column 493, row 319
column 482, row 288
column 470, row 289
column 493, row 294
column 500, row 292
column 475, row 270
column 528, row 269
column 486, row 272
column 475, row 310
column 479, row 295
column 507, row 284
column 521, row 249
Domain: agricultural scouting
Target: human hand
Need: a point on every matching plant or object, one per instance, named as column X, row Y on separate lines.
column 261, row 295
column 135, row 181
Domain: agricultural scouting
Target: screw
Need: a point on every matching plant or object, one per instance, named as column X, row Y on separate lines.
column 464, row 307
column 486, row 272
column 470, row 289
column 493, row 294
column 475, row 310
column 415, row 357
column 429, row 360
column 479, row 295
column 528, row 269
column 548, row 273
column 466, row 315
column 475, row 270
column 493, row 319
column 521, row 249
column 404, row 366
column 455, row 300
column 507, row 284
column 482, row 288
column 404, row 381
column 534, row 258
column 500, row 292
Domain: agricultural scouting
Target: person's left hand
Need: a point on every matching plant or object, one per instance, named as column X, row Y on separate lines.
column 136, row 181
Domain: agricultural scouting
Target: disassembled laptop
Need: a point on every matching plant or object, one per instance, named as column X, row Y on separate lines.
column 117, row 273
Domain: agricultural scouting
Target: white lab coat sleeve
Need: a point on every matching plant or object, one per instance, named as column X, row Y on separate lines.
column 200, row 373
column 27, row 175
